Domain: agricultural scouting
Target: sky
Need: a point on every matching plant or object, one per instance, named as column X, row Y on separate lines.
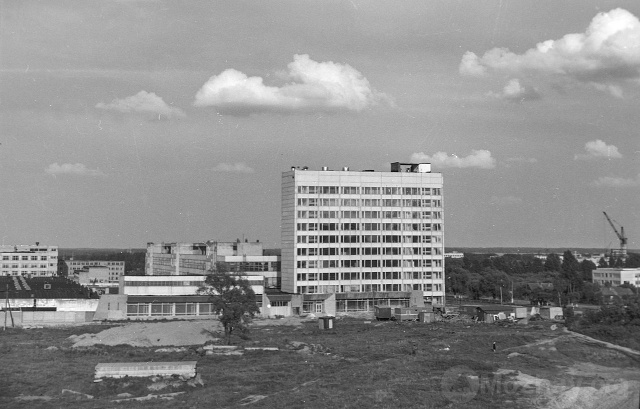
column 128, row 122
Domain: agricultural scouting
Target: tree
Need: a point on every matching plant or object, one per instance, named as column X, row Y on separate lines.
column 633, row 260
column 552, row 263
column 602, row 263
column 233, row 300
column 571, row 271
column 458, row 280
column 587, row 267
column 492, row 280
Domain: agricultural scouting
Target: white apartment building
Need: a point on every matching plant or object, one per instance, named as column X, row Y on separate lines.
column 112, row 269
column 29, row 260
column 363, row 234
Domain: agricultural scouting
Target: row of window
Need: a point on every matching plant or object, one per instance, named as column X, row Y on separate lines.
column 26, row 258
column 367, row 238
column 253, row 266
column 96, row 263
column 368, row 214
column 190, row 263
column 356, row 251
column 28, row 273
column 368, row 226
column 371, row 275
column 356, row 288
column 369, row 190
column 169, row 309
column 164, row 283
column 312, row 202
column 366, row 263
column 24, row 266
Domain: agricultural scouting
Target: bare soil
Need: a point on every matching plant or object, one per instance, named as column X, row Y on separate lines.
column 360, row 363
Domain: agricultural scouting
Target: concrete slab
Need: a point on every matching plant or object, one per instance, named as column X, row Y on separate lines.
column 144, row 369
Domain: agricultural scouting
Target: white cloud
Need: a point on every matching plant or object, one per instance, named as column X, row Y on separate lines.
column 605, row 55
column 506, row 200
column 598, row 149
column 478, row 159
column 313, row 86
column 608, row 181
column 513, row 91
column 237, row 167
column 143, row 102
column 72, row 169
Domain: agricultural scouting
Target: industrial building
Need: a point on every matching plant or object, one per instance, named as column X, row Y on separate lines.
column 368, row 237
column 29, row 260
column 36, row 301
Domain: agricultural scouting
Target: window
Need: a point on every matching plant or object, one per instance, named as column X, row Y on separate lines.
column 318, row 307
column 205, row 309
column 279, row 303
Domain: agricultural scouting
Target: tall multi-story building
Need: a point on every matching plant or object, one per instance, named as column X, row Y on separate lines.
column 363, row 234
column 29, row 260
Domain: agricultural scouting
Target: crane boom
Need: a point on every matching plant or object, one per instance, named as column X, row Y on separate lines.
column 621, row 237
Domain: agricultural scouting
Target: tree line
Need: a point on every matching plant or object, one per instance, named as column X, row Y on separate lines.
column 559, row 280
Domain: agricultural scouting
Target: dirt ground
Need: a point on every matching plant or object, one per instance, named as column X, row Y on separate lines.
column 360, row 363
column 172, row 333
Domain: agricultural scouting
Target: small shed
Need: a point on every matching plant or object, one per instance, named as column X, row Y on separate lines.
column 551, row 312
column 489, row 313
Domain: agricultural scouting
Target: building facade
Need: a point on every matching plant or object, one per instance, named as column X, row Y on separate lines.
column 616, row 276
column 112, row 270
column 29, row 260
column 201, row 258
column 366, row 236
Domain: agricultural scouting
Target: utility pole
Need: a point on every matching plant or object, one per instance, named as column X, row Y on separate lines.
column 6, row 303
column 511, row 291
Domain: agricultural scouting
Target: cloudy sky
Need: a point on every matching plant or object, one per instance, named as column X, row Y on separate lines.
column 127, row 122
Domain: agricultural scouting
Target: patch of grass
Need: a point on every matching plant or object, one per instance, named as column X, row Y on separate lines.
column 355, row 365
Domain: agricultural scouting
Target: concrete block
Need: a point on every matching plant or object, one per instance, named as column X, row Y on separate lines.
column 186, row 369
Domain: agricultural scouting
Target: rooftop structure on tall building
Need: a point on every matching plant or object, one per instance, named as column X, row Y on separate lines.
column 369, row 237
column 29, row 260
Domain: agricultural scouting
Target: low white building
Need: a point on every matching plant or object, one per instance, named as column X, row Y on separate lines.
column 616, row 276
column 175, row 285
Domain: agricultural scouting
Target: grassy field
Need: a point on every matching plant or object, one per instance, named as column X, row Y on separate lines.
column 357, row 364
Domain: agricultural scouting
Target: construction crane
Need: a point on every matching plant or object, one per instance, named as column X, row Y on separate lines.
column 622, row 253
